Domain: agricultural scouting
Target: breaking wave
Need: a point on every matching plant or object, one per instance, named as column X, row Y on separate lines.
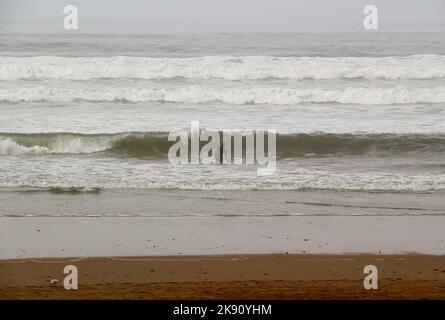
column 156, row 144
column 223, row 67
column 236, row 96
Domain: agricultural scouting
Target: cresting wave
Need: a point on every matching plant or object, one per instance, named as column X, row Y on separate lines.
column 223, row 67
column 235, row 96
column 156, row 144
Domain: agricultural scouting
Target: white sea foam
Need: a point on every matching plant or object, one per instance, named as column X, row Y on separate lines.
column 237, row 96
column 317, row 181
column 63, row 144
column 10, row 147
column 223, row 67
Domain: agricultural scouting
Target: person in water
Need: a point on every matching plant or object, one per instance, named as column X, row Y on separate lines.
column 221, row 154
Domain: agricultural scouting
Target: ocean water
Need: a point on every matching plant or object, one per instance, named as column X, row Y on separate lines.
column 361, row 111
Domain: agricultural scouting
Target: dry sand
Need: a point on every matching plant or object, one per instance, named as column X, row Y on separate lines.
column 274, row 276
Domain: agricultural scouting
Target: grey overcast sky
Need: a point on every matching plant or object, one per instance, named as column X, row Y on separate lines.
column 153, row 16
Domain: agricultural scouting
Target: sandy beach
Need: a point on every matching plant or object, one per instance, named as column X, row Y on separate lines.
column 84, row 202
column 37, row 223
column 315, row 249
column 274, row 276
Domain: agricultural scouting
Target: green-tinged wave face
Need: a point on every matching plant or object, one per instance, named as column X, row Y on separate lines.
column 156, row 144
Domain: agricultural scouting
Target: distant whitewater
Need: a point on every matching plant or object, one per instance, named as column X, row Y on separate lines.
column 223, row 67
column 352, row 111
column 235, row 96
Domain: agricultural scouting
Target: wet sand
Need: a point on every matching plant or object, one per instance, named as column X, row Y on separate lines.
column 24, row 202
column 274, row 276
column 43, row 237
